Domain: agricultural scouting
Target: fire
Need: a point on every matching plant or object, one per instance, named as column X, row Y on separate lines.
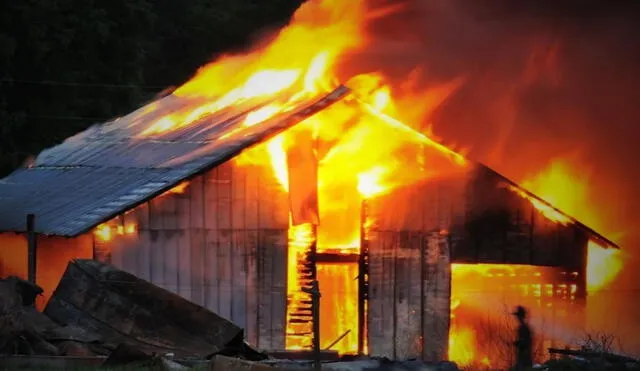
column 462, row 345
column 544, row 208
column 103, row 232
column 106, row 231
column 179, row 189
column 298, row 60
column 482, row 298
column 563, row 186
column 361, row 149
column 351, row 165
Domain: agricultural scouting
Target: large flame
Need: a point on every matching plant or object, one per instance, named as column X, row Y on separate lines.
column 482, row 298
column 363, row 147
column 563, row 186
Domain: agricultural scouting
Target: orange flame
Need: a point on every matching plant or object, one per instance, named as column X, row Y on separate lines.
column 462, row 346
column 352, row 165
column 564, row 187
column 105, row 232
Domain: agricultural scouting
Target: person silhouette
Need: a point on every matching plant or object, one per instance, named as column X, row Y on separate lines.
column 523, row 343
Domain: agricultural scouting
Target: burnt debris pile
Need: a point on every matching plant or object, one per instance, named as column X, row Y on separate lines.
column 100, row 316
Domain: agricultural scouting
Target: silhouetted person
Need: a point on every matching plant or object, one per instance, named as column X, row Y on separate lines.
column 523, row 343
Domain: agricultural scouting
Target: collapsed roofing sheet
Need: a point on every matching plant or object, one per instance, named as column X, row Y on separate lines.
column 113, row 167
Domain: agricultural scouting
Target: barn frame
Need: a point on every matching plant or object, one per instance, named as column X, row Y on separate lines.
column 222, row 240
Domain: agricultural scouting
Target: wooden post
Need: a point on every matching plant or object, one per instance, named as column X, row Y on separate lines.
column 315, row 307
column 363, row 275
column 32, row 242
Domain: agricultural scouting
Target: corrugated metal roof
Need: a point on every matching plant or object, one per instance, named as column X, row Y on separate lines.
column 110, row 168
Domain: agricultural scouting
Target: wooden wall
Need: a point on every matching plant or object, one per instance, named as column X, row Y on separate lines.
column 222, row 243
column 467, row 217
column 486, row 221
column 409, row 294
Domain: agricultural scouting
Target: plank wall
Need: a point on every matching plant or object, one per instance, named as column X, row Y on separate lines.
column 221, row 243
column 467, row 217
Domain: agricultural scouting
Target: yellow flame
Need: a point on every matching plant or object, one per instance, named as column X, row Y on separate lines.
column 462, row 344
column 261, row 115
column 603, row 265
column 104, row 232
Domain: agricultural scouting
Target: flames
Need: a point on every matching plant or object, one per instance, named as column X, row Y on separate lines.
column 362, row 147
column 567, row 189
column 106, row 231
column 482, row 298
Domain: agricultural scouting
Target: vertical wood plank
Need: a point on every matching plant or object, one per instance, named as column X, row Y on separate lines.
column 374, row 316
column 387, row 295
column 183, row 243
column 279, row 290
column 197, row 248
column 211, row 218
column 252, row 207
column 144, row 242
column 224, row 277
column 265, row 283
column 237, row 254
column 252, row 300
column 157, row 243
column 238, row 279
column 403, row 339
column 212, row 282
column 129, row 244
column 437, row 297
column 197, row 238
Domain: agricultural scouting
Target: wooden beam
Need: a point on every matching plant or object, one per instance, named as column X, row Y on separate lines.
column 32, row 241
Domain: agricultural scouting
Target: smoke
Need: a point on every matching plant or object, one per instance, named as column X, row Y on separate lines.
column 543, row 81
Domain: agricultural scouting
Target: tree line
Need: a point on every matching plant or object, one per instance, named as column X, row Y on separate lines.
column 67, row 64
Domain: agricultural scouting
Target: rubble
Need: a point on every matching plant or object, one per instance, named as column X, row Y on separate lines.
column 100, row 315
column 222, row 363
column 125, row 309
column 590, row 360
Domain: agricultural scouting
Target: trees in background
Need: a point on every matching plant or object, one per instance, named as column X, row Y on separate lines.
column 67, row 64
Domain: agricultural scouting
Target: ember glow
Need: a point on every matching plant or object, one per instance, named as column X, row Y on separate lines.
column 483, row 295
column 107, row 231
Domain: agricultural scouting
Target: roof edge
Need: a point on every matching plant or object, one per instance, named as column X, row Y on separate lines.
column 598, row 236
column 293, row 119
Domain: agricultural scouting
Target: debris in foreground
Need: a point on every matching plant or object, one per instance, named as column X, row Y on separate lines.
column 125, row 309
column 587, row 359
column 102, row 316
column 99, row 312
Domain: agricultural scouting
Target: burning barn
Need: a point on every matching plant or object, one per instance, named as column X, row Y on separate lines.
column 230, row 217
column 238, row 196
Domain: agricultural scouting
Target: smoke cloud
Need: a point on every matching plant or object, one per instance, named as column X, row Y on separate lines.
column 543, row 81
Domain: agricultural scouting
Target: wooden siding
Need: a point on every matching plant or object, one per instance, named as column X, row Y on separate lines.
column 487, row 222
column 467, row 217
column 221, row 243
column 409, row 294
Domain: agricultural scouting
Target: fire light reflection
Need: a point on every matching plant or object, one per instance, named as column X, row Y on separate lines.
column 483, row 296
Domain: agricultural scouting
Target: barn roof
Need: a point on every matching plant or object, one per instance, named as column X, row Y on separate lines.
column 110, row 168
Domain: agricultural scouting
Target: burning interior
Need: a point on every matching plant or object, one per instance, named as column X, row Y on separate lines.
column 264, row 173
